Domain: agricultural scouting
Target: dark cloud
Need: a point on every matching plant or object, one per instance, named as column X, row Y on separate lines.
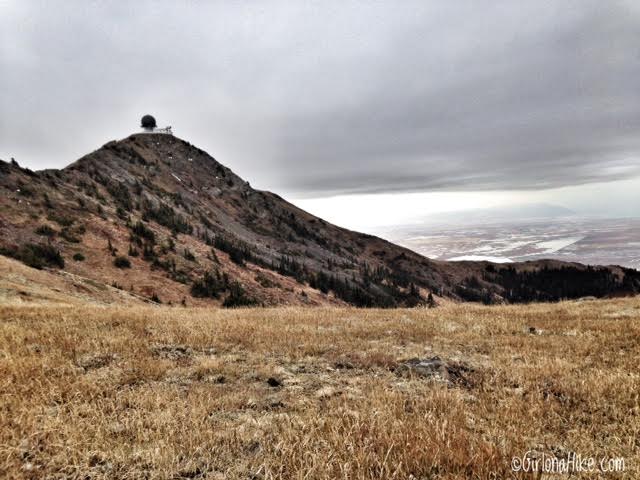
column 343, row 97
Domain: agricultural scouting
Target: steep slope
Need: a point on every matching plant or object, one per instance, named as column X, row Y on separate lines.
column 160, row 218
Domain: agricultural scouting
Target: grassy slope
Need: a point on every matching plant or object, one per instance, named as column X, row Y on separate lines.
column 144, row 392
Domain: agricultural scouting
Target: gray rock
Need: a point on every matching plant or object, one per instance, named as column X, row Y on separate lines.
column 171, row 352
column 432, row 367
column 92, row 361
column 437, row 369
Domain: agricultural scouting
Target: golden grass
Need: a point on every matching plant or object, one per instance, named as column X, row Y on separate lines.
column 137, row 392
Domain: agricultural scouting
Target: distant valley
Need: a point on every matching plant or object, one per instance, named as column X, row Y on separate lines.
column 592, row 241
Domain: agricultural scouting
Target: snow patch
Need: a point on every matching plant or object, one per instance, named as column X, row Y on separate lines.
column 553, row 246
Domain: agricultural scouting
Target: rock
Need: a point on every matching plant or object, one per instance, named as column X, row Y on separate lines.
column 25, row 450
column 171, row 352
column 326, row 392
column 275, row 404
column 586, row 299
column 534, row 330
column 518, row 391
column 343, row 364
column 117, row 428
column 92, row 361
column 434, row 368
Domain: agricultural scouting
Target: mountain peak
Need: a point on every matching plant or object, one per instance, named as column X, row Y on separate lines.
column 168, row 160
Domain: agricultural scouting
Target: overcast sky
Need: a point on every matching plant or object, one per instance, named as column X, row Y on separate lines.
column 317, row 99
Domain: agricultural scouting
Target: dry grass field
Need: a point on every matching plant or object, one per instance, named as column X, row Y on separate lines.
column 141, row 392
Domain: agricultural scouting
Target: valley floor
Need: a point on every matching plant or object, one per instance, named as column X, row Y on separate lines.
column 144, row 392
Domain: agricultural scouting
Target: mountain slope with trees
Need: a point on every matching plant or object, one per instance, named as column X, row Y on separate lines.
column 161, row 219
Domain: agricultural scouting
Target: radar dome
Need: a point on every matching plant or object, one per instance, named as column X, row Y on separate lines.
column 148, row 122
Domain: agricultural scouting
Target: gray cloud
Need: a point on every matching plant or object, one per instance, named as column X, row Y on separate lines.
column 324, row 98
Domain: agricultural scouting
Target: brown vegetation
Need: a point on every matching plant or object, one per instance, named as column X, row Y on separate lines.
column 157, row 392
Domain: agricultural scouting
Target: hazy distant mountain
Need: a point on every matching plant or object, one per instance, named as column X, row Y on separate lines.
column 156, row 217
column 512, row 214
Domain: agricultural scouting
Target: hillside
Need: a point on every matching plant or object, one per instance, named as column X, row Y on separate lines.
column 290, row 393
column 160, row 219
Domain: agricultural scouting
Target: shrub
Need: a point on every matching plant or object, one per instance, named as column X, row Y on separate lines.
column 141, row 230
column 35, row 255
column 169, row 245
column 25, row 191
column 47, row 201
column 69, row 236
column 60, row 219
column 167, row 217
column 122, row 262
column 238, row 297
column 148, row 253
column 239, row 252
column 45, row 231
column 265, row 281
column 211, row 285
column 113, row 250
column 120, row 193
column 121, row 213
column 78, row 257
